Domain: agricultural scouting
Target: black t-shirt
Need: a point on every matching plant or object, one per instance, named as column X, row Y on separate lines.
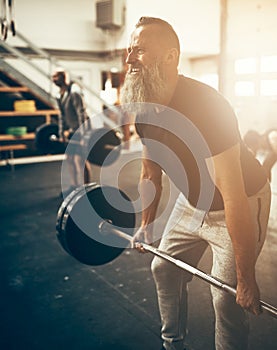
column 198, row 123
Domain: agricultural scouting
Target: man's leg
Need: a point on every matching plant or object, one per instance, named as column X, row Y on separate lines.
column 87, row 173
column 72, row 170
column 82, row 170
column 231, row 321
column 171, row 282
column 231, row 328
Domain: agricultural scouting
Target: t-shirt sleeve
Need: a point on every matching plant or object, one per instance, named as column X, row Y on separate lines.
column 217, row 123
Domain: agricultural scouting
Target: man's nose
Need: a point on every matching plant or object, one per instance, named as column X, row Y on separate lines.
column 130, row 57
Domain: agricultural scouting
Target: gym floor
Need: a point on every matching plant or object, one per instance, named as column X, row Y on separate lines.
column 51, row 301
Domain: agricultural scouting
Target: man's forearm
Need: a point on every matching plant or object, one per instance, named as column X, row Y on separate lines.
column 241, row 230
column 150, row 197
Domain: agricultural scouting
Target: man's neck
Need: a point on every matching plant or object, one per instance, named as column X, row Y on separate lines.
column 63, row 89
column 172, row 83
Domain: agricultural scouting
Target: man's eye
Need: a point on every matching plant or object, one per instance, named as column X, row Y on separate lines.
column 140, row 51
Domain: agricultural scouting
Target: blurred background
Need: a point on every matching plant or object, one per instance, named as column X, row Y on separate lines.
column 229, row 44
column 49, row 300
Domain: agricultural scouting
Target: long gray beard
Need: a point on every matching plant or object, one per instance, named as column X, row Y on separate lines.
column 146, row 87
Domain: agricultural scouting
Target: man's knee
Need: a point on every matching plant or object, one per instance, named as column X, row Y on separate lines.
column 163, row 270
column 157, row 266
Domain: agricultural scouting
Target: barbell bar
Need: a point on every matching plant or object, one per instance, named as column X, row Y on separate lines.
column 106, row 227
column 90, row 229
column 101, row 146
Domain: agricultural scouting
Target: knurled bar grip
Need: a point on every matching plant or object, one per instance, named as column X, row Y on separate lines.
column 106, row 227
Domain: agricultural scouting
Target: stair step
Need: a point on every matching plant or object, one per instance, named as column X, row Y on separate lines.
column 35, row 113
column 17, row 147
column 14, row 89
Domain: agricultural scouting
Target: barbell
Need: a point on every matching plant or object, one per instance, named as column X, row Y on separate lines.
column 96, row 223
column 100, row 146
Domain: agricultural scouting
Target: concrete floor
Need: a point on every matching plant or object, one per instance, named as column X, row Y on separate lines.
column 51, row 301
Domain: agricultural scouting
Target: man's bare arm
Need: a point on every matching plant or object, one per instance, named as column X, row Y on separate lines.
column 229, row 180
column 150, row 193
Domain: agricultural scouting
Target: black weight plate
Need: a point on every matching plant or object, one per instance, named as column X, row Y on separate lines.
column 78, row 224
column 43, row 141
column 66, row 202
column 96, row 143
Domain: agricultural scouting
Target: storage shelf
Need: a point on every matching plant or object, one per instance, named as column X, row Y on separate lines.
column 40, row 112
column 29, row 114
column 28, row 136
column 17, row 147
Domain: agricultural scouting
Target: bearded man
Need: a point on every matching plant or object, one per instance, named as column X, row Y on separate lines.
column 190, row 132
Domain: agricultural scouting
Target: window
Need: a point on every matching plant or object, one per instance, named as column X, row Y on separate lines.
column 246, row 65
column 269, row 64
column 256, row 76
column 244, row 88
column 210, row 79
column 269, row 87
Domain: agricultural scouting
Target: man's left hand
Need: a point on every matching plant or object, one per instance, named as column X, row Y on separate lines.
column 248, row 297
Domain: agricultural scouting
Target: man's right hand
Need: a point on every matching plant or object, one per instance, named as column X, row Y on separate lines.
column 142, row 235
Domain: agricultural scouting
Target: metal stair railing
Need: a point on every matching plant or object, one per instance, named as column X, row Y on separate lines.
column 29, row 83
column 52, row 63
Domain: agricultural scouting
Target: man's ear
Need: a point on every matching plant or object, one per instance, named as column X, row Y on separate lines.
column 171, row 56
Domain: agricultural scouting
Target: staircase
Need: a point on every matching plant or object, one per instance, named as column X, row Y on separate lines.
column 16, row 85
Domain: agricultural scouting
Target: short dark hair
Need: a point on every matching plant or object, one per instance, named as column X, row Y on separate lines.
column 143, row 21
column 60, row 73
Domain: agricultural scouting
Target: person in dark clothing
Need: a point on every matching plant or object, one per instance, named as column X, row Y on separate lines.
column 73, row 120
column 266, row 144
column 190, row 132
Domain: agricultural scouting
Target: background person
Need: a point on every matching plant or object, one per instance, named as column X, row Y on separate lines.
column 235, row 223
column 72, row 118
column 266, row 144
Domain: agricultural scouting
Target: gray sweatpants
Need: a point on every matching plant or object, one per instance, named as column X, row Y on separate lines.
column 188, row 233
